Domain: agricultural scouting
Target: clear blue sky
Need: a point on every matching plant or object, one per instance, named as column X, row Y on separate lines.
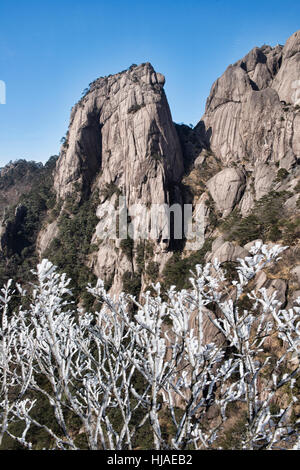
column 51, row 50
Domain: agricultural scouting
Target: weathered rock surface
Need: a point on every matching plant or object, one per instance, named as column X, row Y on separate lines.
column 286, row 81
column 252, row 117
column 46, row 235
column 264, row 175
column 122, row 141
column 296, row 272
column 226, row 189
column 228, row 252
column 245, row 112
column 123, row 128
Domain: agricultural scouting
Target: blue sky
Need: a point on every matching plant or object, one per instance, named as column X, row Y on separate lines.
column 51, row 50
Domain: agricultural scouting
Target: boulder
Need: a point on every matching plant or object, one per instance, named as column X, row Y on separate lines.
column 226, row 189
column 228, row 251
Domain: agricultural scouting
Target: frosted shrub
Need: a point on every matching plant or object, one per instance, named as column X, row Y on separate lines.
column 114, row 374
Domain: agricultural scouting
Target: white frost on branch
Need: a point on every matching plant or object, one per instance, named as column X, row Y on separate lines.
column 116, row 372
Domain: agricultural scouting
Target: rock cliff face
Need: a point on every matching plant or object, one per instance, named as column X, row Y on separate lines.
column 251, row 126
column 122, row 128
column 122, row 142
column 251, row 112
column 252, row 116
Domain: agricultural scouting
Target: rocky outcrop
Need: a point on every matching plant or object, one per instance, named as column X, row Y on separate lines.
column 122, row 142
column 252, row 117
column 16, row 179
column 46, row 235
column 226, row 189
column 296, row 272
column 226, row 251
column 250, row 111
column 122, row 128
column 25, row 192
column 10, row 242
column 286, row 81
column 264, row 175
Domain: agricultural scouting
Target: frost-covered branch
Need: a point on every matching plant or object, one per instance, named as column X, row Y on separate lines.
column 106, row 375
